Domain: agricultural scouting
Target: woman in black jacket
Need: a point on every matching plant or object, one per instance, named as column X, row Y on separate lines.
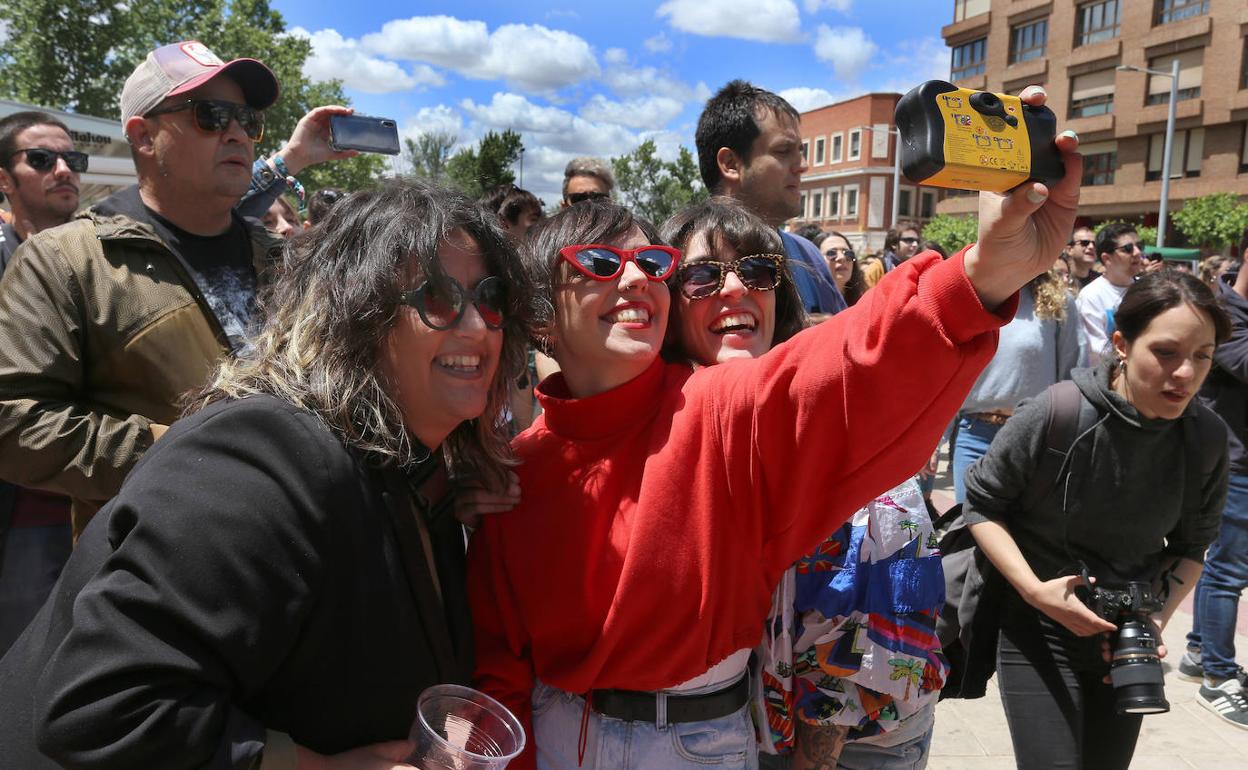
column 281, row 576
column 1139, row 499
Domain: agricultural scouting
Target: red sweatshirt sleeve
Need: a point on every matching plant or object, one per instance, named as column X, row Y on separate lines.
column 504, row 666
column 853, row 406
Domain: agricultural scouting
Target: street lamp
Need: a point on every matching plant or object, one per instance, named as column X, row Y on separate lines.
column 1173, row 74
column 521, row 166
column 896, row 168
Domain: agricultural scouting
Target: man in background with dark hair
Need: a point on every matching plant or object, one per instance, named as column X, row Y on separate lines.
column 750, row 148
column 902, row 242
column 321, row 202
column 1081, row 256
column 1119, row 249
column 39, row 175
column 1210, row 655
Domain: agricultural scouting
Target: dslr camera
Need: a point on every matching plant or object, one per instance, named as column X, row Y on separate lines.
column 1135, row 668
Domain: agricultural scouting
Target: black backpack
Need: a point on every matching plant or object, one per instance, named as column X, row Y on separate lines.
column 969, row 623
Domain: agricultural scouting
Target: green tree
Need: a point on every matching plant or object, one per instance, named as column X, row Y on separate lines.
column 76, row 56
column 477, row 170
column 951, row 232
column 1212, row 221
column 427, row 155
column 654, row 188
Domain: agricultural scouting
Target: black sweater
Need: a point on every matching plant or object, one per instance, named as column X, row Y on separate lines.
column 1226, row 388
column 251, row 574
column 1125, row 500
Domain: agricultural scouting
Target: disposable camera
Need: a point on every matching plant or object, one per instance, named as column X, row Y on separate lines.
column 975, row 140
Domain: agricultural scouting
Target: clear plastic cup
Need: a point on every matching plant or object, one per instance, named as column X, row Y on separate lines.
column 459, row 728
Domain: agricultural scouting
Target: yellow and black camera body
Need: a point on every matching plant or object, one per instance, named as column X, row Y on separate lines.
column 975, row 140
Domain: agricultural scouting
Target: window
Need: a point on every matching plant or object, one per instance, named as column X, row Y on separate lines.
column 1243, row 66
column 965, row 9
column 1092, row 94
column 927, row 204
column 1027, row 41
column 1243, row 152
column 1098, row 21
column 1174, row 10
column 802, row 205
column 1100, row 159
column 838, row 147
column 903, row 202
column 1190, row 66
column 806, row 152
column 1185, row 155
column 855, row 143
column 968, row 59
column 834, row 202
column 819, row 143
column 851, row 201
column 816, row 205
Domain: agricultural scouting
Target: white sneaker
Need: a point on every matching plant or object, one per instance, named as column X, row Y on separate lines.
column 1228, row 700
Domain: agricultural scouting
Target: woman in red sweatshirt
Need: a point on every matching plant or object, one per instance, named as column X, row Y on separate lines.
column 661, row 505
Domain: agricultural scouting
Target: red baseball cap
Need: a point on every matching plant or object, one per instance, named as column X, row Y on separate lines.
column 182, row 67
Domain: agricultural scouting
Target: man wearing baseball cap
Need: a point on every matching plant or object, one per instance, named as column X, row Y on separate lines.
column 106, row 321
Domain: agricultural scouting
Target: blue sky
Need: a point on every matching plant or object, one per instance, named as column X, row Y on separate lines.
column 598, row 79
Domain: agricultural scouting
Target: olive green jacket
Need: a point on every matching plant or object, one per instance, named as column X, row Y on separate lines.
column 102, row 331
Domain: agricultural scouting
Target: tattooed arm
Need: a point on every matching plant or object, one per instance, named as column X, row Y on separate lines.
column 817, row 746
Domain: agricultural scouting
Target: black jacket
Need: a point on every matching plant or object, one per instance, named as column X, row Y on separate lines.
column 252, row 574
column 1226, row 388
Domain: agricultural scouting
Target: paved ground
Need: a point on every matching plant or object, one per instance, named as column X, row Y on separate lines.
column 972, row 734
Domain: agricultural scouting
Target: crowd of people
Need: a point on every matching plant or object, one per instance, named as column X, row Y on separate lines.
column 662, row 489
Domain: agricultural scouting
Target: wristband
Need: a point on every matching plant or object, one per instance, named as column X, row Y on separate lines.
column 295, row 185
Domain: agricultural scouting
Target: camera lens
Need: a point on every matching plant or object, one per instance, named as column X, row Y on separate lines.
column 1136, row 670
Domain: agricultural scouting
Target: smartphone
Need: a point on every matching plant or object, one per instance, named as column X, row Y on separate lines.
column 364, row 133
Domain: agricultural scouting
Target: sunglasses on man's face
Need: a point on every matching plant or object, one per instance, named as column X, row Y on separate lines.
column 42, row 159
column 606, row 263
column 1080, row 243
column 442, row 303
column 705, row 278
column 586, row 196
column 909, row 241
column 214, row 115
column 1130, row 248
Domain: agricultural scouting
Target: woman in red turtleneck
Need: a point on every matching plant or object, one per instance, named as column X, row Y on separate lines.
column 661, row 505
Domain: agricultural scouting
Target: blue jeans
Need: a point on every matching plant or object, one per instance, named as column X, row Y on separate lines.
column 31, row 563
column 911, row 755
column 613, row 744
column 973, row 438
column 1224, row 579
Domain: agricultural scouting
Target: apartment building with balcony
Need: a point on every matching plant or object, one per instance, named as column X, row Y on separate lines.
column 848, row 185
column 1074, row 48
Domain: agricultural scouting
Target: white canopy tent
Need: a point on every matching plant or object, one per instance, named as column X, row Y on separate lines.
column 111, row 167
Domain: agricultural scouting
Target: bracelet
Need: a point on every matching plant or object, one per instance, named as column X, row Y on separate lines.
column 279, row 165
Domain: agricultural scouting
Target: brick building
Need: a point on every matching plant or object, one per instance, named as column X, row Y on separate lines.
column 848, row 184
column 1073, row 49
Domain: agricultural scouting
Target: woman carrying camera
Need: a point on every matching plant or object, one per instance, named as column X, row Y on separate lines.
column 1134, row 501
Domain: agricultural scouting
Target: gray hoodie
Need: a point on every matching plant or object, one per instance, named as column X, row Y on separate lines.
column 1125, row 497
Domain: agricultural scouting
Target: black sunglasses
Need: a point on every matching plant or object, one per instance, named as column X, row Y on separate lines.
column 213, row 115
column 908, row 240
column 1130, row 248
column 42, row 159
column 1084, row 243
column 759, row 272
column 586, row 196
column 849, row 254
column 441, row 304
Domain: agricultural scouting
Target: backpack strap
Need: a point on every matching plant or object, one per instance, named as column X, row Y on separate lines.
column 1061, row 430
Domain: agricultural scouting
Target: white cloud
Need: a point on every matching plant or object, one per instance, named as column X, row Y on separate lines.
column 334, row 57
column 527, row 56
column 847, row 49
column 652, row 113
column 660, row 43
column 768, row 21
column 551, row 127
column 649, row 81
column 441, row 119
column 615, row 56
column 927, row 59
column 806, row 99
column 814, row 6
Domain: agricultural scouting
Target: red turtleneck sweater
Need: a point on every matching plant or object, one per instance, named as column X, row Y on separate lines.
column 656, row 518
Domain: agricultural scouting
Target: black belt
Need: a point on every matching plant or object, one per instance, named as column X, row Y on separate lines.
column 636, row 706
